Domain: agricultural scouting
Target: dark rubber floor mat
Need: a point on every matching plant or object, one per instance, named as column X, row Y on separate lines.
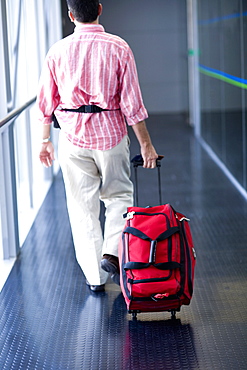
column 50, row 320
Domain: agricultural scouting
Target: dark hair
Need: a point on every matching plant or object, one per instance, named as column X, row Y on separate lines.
column 84, row 11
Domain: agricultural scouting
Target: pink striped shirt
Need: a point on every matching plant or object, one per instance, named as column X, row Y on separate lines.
column 91, row 67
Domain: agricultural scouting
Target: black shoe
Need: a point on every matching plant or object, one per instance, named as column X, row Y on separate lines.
column 96, row 288
column 109, row 263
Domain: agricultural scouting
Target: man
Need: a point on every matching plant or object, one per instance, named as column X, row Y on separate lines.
column 90, row 80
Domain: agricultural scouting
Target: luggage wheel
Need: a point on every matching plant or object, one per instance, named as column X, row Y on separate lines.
column 173, row 314
column 134, row 314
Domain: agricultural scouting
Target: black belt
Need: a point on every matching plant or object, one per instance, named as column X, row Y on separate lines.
column 88, row 109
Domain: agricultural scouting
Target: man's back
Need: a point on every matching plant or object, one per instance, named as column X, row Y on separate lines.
column 92, row 67
column 88, row 66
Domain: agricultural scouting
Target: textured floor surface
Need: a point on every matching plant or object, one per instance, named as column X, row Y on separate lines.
column 50, row 320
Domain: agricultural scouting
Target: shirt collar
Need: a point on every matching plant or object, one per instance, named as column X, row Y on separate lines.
column 89, row 28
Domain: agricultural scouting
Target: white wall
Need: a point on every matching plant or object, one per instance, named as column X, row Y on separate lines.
column 157, row 33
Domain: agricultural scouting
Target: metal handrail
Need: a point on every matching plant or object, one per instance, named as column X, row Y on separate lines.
column 16, row 112
column 8, row 191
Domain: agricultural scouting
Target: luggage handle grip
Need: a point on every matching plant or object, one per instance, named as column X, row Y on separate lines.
column 138, row 161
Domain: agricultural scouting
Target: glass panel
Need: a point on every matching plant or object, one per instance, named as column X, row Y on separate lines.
column 244, row 69
column 209, row 41
column 221, row 74
column 232, row 107
column 32, row 27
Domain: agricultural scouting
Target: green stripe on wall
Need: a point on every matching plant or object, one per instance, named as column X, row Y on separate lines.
column 223, row 78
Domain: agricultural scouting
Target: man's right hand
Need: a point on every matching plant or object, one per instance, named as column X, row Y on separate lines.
column 149, row 156
column 148, row 152
column 46, row 154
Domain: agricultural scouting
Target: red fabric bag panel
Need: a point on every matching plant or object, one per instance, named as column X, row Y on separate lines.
column 157, row 259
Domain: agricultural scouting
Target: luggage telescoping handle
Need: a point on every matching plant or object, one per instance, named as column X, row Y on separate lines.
column 138, row 161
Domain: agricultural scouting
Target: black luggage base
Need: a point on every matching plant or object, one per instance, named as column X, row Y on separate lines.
column 172, row 311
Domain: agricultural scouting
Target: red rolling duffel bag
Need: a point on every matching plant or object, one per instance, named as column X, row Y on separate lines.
column 157, row 259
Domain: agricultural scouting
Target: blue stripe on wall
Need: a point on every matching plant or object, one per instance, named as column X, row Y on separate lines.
column 224, row 74
column 224, row 18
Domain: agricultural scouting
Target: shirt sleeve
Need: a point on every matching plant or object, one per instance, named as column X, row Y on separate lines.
column 47, row 96
column 131, row 101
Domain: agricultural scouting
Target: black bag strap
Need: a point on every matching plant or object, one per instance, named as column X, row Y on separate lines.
column 139, row 234
column 160, row 266
column 81, row 109
column 87, row 109
column 165, row 235
column 169, row 232
column 136, row 232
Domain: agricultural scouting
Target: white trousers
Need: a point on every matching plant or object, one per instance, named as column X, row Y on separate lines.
column 90, row 176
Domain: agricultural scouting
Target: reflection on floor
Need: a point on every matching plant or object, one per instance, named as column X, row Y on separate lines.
column 50, row 320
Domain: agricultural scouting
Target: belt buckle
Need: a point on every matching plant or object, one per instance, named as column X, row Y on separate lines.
column 88, row 108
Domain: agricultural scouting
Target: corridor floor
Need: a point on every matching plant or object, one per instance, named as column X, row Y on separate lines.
column 49, row 319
